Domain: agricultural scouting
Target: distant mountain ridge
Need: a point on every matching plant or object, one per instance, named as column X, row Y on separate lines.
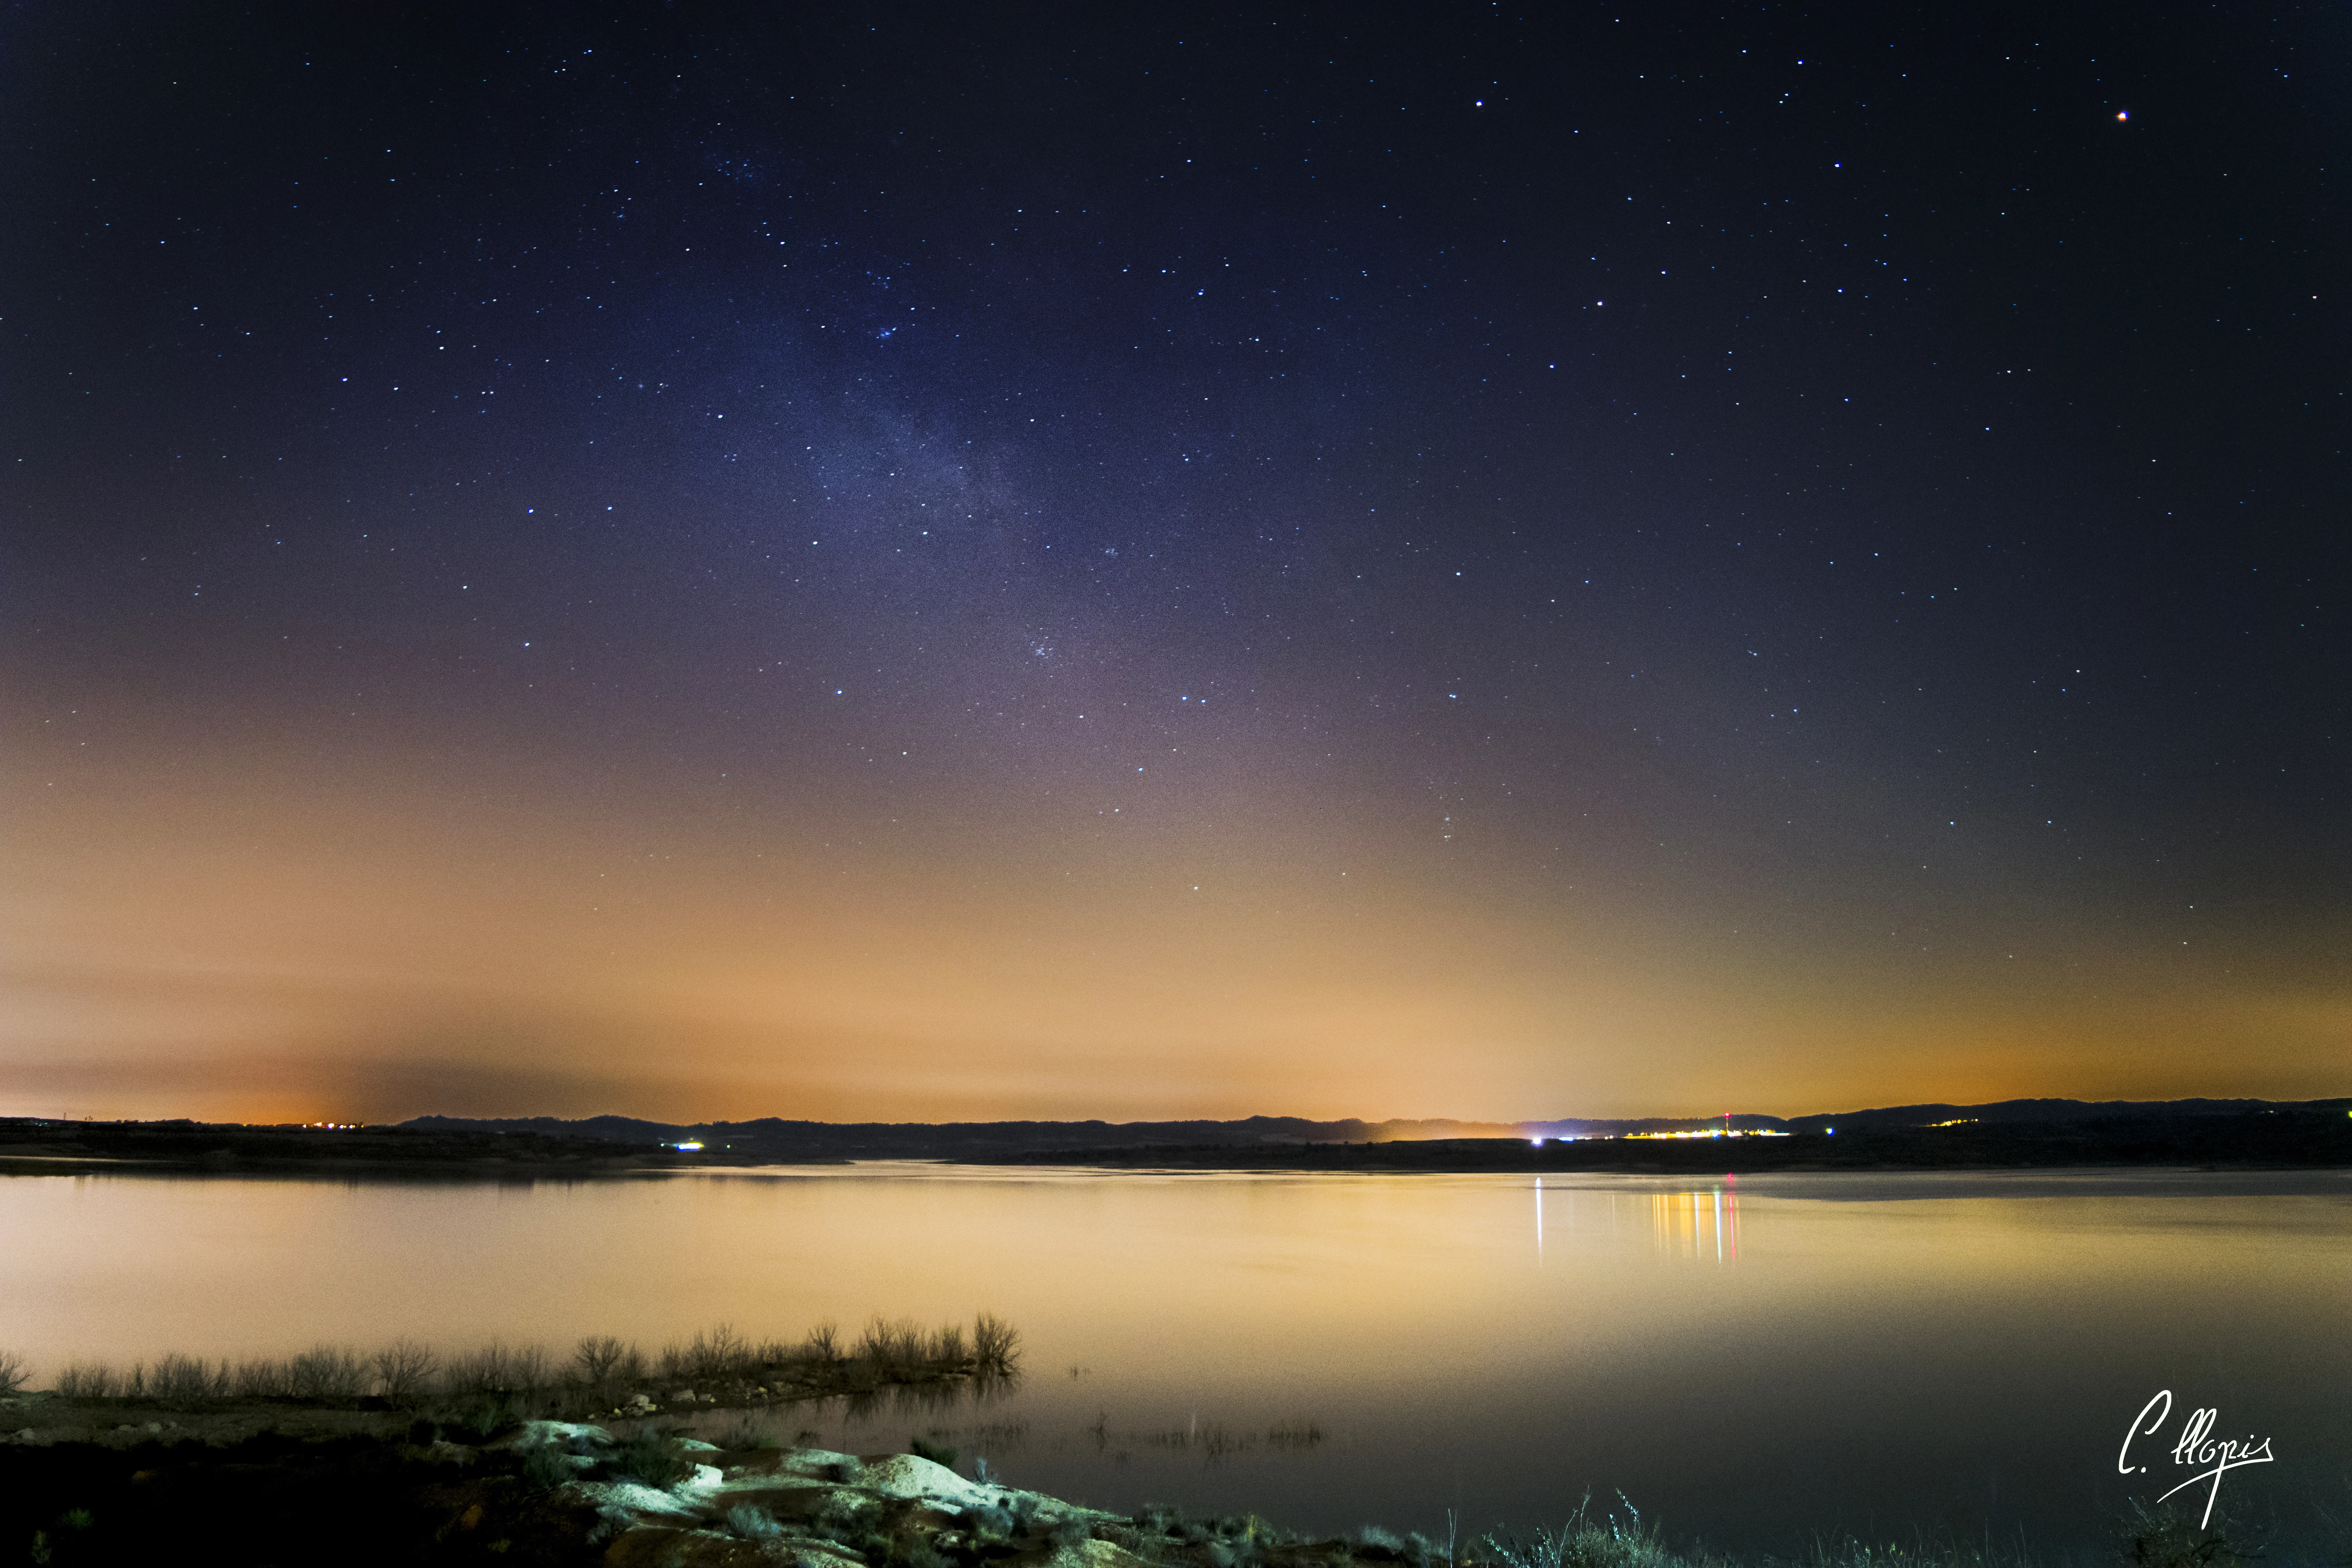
column 775, row 1138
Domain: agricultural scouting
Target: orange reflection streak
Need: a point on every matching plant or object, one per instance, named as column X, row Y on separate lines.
column 1697, row 1225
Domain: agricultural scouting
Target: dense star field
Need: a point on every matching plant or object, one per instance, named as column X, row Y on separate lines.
column 921, row 563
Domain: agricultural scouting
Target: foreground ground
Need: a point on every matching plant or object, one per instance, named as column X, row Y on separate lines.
column 370, row 1487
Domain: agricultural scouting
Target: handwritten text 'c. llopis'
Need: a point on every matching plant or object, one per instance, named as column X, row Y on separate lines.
column 2195, row 1447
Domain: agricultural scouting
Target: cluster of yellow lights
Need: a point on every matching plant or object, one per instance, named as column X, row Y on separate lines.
column 335, row 1126
column 1715, row 1132
column 1956, row 1122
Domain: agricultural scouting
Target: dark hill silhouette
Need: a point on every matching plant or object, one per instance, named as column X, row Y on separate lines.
column 2010, row 1131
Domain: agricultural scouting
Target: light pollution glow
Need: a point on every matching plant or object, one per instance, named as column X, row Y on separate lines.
column 354, row 945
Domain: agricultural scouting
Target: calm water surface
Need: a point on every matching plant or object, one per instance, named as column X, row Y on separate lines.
column 1749, row 1361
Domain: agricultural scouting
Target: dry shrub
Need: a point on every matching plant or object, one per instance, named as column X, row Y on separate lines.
column 532, row 1369
column 189, row 1380
column 604, row 1360
column 496, row 1368
column 326, row 1372
column 13, row 1371
column 403, row 1370
column 262, row 1378
column 721, row 1354
column 893, row 1346
column 995, row 1344
column 90, row 1380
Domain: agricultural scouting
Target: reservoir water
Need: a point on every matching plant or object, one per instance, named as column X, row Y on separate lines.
column 1749, row 1361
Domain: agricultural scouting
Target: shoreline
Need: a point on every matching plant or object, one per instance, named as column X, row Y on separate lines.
column 2314, row 1136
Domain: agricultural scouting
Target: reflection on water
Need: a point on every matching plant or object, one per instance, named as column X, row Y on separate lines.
column 1697, row 1225
column 1957, row 1354
column 1701, row 1223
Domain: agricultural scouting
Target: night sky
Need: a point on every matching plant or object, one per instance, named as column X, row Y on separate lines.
column 929, row 563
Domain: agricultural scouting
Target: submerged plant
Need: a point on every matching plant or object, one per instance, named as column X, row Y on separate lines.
column 995, row 1344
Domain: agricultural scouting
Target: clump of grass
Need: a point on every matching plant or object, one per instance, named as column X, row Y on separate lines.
column 1618, row 1541
column 2157, row 1536
column 746, row 1433
column 650, row 1459
column 753, row 1522
column 547, row 1467
column 487, row 1416
column 936, row 1453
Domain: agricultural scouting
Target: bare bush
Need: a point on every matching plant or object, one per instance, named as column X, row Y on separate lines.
column 482, row 1371
column 947, row 1345
column 530, row 1369
column 489, row 1370
column 13, row 1371
column 498, row 1369
column 600, row 1360
column 721, row 1354
column 404, row 1370
column 89, row 1379
column 263, row 1378
column 824, row 1342
column 189, row 1380
column 894, row 1346
column 326, row 1372
column 995, row 1344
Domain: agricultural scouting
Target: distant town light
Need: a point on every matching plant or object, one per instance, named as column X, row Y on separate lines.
column 689, row 1148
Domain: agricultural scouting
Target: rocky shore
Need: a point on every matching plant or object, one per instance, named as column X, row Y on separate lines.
column 629, row 1494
